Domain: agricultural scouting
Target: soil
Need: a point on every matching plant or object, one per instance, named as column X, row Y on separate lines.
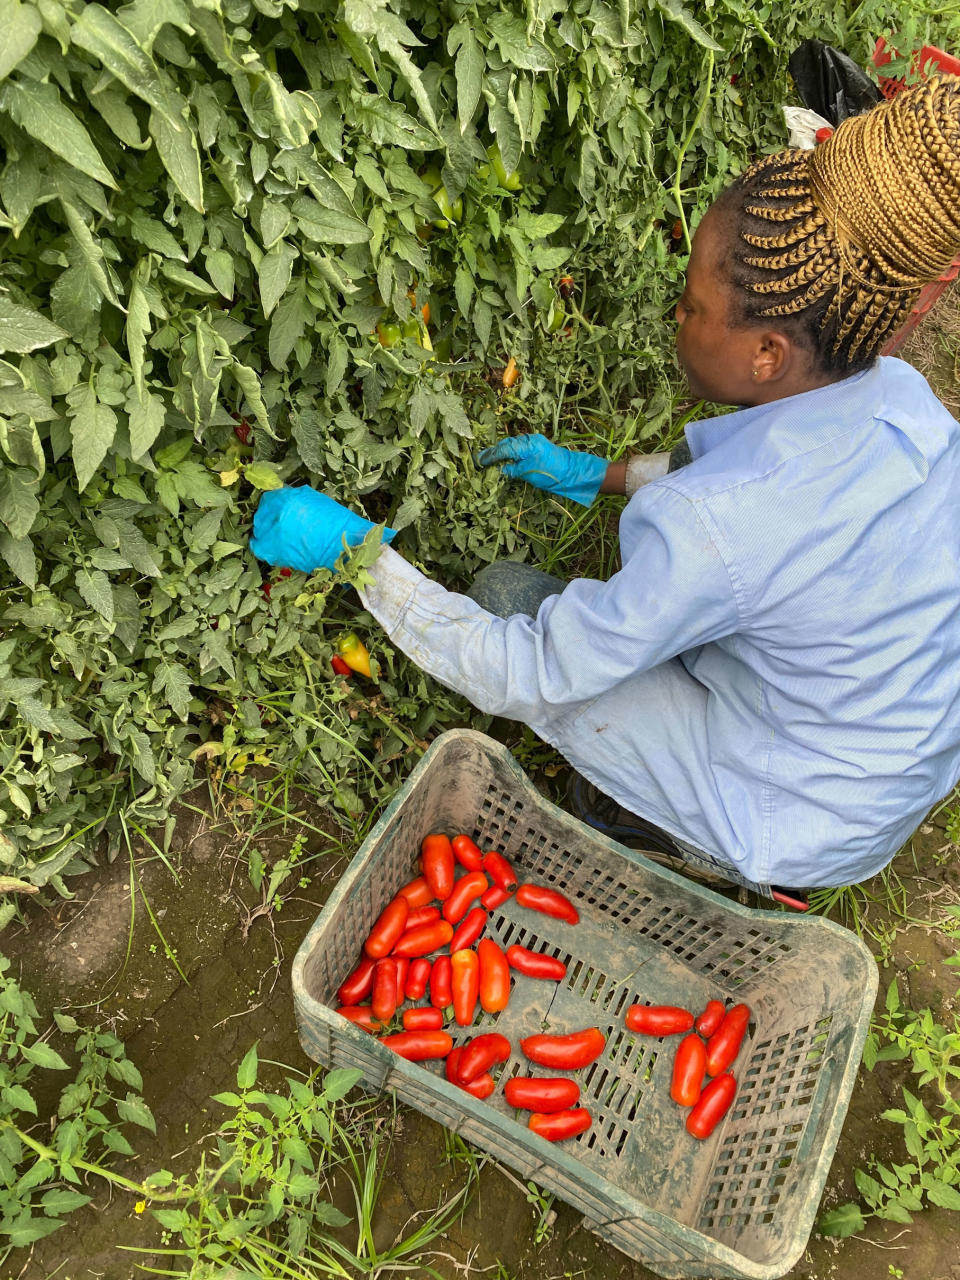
column 101, row 957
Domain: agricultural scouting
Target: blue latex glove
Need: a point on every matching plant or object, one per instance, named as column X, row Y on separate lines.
column 548, row 466
column 299, row 528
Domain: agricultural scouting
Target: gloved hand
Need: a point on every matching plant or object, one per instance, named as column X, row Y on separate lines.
column 299, row 528
column 548, row 466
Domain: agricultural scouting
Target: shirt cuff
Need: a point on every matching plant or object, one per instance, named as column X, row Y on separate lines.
column 644, row 468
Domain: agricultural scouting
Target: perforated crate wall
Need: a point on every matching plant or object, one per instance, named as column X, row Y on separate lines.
column 740, row 1204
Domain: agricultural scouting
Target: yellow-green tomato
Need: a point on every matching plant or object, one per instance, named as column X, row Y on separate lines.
column 452, row 210
column 388, row 335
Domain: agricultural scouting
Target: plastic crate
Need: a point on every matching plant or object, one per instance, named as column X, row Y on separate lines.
column 740, row 1204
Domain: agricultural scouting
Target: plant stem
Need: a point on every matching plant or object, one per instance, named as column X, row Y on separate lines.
column 686, row 143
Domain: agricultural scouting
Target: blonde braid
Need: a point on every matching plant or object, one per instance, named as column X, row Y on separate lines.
column 862, row 224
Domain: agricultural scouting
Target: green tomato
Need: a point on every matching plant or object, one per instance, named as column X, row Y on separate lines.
column 411, row 329
column 388, row 335
column 557, row 318
column 509, row 181
column 452, row 210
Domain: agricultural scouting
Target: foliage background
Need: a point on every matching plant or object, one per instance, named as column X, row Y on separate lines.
column 205, row 209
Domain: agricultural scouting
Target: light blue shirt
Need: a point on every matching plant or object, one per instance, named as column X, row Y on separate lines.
column 774, row 673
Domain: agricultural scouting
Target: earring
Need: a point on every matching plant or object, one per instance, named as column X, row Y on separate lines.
column 755, row 372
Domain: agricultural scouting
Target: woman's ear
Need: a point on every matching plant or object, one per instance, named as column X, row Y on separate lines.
column 775, row 357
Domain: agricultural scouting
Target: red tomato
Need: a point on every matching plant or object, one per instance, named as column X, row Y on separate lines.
column 535, row 965
column 424, row 939
column 356, row 986
column 340, row 667
column 425, row 1019
column 494, row 897
column 388, row 927
column 689, row 1067
column 713, row 1106
column 441, row 983
column 418, row 1046
column 469, row 929
column 500, row 871
column 548, row 901
column 418, row 975
column 402, row 966
column 658, row 1019
column 578, row 1049
column 361, row 1015
column 481, row 1087
column 724, row 1045
column 417, row 893
column 711, row 1018
column 542, row 1093
column 465, row 982
column 480, row 1055
column 467, row 889
column 561, row 1124
column 384, row 998
column 467, row 853
column 436, row 853
column 422, row 915
column 494, row 977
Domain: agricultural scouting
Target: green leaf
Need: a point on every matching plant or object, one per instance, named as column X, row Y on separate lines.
column 147, row 416
column 102, row 34
column 27, row 1231
column 273, row 274
column 329, row 226
column 155, row 236
column 91, row 253
column 92, row 429
column 135, row 1110
column 220, row 269
column 173, row 680
column 62, row 1200
column 19, row 507
column 262, row 476
column 176, row 145
column 94, row 587
column 328, row 1214
column 289, row 323
column 41, row 1055
column 844, row 1220
column 23, row 330
column 19, row 555
column 247, row 1070
column 302, row 1185
column 38, row 109
column 338, row 1083
column 20, row 24
column 17, row 1098
column 469, row 72
column 367, row 18
column 677, row 12
column 940, row 1193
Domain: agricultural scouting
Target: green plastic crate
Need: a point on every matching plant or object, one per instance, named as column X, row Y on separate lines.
column 740, row 1204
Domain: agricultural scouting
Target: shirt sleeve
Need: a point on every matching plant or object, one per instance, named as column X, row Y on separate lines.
column 673, row 593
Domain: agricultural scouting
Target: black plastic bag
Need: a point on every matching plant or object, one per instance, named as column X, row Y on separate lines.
column 831, row 83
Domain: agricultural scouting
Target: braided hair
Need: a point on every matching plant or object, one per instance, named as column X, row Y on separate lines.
column 837, row 243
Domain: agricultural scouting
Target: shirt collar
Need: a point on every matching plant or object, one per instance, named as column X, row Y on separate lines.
column 890, row 391
column 808, row 406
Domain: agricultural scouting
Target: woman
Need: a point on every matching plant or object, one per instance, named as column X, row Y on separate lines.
column 773, row 676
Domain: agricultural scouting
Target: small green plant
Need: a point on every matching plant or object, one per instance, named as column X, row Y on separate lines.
column 40, row 1181
column 952, row 825
column 931, row 1173
column 257, row 1205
